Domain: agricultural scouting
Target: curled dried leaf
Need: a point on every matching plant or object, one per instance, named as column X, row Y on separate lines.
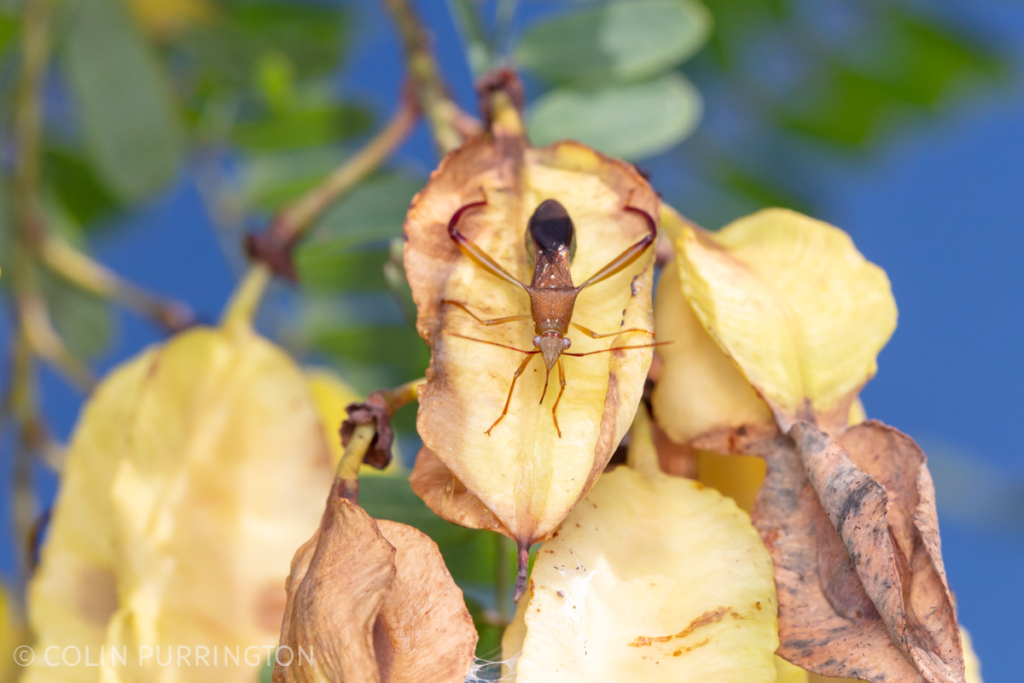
column 829, row 622
column 873, row 484
column 338, row 584
column 424, row 631
column 372, row 601
column 523, row 472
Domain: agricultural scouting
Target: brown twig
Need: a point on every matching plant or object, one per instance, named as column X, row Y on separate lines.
column 441, row 112
column 274, row 246
column 87, row 274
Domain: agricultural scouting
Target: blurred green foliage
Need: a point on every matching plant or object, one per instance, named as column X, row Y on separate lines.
column 611, row 68
column 795, row 80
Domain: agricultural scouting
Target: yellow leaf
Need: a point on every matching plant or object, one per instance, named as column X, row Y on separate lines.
column 523, row 471
column 9, row 640
column 789, row 673
column 194, row 473
column 73, row 594
column 794, row 304
column 651, row 578
column 700, row 388
column 331, row 396
column 971, row 661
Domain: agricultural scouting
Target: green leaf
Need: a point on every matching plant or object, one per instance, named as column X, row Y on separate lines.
column 271, row 180
column 850, row 109
column 83, row 320
column 622, row 41
column 306, row 127
column 385, row 345
column 76, row 186
column 310, row 35
column 630, row 121
column 924, row 63
column 8, row 29
column 374, row 210
column 128, row 120
column 329, row 270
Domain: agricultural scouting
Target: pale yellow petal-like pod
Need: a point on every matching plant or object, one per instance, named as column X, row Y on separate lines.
column 971, row 661
column 653, row 578
column 525, row 473
column 195, row 472
column 794, row 304
column 9, row 638
column 73, row 594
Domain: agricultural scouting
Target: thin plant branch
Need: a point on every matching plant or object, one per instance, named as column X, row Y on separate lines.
column 45, row 343
column 271, row 250
column 296, row 218
column 92, row 276
column 471, row 29
column 440, row 111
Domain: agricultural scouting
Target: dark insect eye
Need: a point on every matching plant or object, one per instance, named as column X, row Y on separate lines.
column 551, row 226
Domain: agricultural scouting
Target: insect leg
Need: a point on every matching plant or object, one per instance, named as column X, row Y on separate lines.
column 554, row 408
column 492, row 343
column 616, row 348
column 475, row 253
column 594, row 335
column 494, row 321
column 512, row 388
column 631, row 254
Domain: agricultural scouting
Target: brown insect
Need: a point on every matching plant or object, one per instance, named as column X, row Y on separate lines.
column 552, row 293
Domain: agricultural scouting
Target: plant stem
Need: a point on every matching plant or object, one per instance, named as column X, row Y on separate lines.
column 91, row 276
column 471, row 28
column 441, row 113
column 245, row 300
column 346, row 476
column 272, row 249
column 28, row 116
column 296, row 218
column 503, row 552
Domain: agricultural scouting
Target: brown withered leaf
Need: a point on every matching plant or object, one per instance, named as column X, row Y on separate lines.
column 870, row 601
column 372, row 601
column 424, row 631
column 524, row 473
column 339, row 581
column 874, row 484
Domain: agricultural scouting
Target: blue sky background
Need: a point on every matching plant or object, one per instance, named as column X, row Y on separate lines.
column 940, row 208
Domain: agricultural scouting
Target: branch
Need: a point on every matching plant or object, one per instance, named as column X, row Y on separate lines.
column 441, row 113
column 274, row 246
column 86, row 273
column 44, row 342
